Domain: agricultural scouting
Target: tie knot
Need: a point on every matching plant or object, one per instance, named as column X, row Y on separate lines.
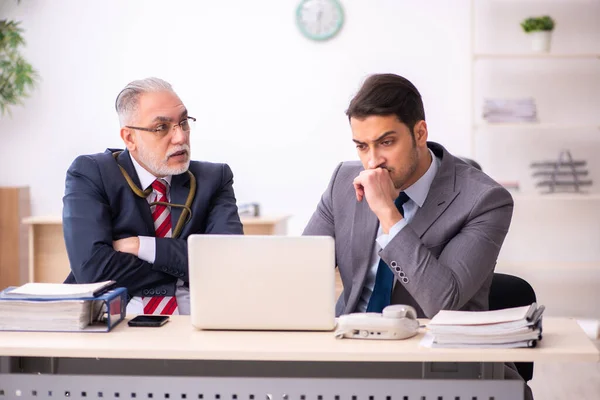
column 401, row 199
column 160, row 186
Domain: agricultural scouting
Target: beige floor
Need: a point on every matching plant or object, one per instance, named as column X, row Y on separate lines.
column 552, row 381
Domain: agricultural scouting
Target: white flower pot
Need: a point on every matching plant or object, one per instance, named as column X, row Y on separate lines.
column 540, row 41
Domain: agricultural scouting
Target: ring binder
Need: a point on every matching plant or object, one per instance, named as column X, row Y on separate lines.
column 81, row 314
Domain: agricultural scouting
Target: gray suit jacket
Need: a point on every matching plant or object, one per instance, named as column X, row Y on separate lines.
column 448, row 251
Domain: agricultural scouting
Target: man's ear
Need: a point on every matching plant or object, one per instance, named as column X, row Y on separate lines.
column 129, row 138
column 421, row 133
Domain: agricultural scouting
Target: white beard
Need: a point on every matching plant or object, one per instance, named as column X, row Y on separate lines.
column 160, row 167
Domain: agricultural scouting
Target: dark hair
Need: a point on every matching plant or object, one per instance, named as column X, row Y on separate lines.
column 388, row 94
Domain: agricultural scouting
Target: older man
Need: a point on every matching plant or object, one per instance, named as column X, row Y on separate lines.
column 127, row 213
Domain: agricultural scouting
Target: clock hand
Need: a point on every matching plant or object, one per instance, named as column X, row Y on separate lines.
column 319, row 17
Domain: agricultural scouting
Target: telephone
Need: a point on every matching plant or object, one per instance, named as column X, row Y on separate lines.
column 397, row 321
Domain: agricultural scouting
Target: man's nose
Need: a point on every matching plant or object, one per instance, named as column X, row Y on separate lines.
column 375, row 160
column 179, row 135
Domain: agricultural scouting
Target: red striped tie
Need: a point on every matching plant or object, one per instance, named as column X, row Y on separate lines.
column 166, row 305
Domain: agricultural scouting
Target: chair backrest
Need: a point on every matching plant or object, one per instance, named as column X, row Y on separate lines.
column 511, row 291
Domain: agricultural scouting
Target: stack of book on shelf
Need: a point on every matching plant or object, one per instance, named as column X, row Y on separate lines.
column 93, row 307
column 509, row 110
column 507, row 328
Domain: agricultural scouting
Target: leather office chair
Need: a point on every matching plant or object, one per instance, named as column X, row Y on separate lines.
column 509, row 291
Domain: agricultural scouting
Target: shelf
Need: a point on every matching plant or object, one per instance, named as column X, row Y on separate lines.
column 535, row 56
column 536, row 126
column 556, row 196
column 510, row 266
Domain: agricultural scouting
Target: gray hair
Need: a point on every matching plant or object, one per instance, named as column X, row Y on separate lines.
column 127, row 100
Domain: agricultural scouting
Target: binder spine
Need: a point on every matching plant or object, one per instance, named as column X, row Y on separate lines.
column 115, row 309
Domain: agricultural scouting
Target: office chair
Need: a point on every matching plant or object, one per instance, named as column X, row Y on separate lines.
column 509, row 291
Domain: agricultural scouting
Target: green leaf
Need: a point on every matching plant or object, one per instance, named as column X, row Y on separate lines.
column 534, row 24
column 17, row 77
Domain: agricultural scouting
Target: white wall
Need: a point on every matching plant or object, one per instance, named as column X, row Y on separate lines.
column 269, row 102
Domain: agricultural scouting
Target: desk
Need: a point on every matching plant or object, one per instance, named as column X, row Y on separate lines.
column 178, row 362
column 48, row 261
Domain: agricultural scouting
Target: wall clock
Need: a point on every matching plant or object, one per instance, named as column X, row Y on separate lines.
column 319, row 19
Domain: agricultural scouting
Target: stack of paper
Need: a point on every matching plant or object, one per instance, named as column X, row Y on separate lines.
column 24, row 315
column 511, row 327
column 509, row 110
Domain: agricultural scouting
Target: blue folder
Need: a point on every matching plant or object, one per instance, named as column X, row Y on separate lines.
column 107, row 310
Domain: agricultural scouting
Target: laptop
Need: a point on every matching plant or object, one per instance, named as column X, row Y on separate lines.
column 262, row 282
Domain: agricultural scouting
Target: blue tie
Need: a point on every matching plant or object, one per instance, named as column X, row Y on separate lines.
column 384, row 280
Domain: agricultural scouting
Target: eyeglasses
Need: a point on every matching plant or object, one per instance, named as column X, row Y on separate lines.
column 164, row 128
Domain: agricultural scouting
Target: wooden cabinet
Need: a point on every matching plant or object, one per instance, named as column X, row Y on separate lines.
column 48, row 261
column 14, row 206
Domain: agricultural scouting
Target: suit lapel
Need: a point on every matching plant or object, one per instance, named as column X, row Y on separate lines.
column 180, row 188
column 441, row 193
column 142, row 204
column 364, row 232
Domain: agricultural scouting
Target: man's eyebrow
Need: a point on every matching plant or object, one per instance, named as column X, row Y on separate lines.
column 167, row 119
column 379, row 139
column 161, row 119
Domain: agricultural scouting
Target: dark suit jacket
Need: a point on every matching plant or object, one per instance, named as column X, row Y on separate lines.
column 448, row 251
column 99, row 207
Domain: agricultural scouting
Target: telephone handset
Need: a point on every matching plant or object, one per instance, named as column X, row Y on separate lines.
column 397, row 321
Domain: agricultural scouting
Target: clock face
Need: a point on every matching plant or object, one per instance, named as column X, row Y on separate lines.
column 319, row 19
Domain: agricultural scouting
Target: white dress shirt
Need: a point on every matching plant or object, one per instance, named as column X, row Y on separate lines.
column 417, row 194
column 147, row 250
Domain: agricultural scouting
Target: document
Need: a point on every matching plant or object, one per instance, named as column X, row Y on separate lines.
column 58, row 290
column 507, row 328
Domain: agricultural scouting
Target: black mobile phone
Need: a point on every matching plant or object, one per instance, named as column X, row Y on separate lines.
column 149, row 320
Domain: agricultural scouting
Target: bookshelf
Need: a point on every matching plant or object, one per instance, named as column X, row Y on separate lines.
column 564, row 82
column 554, row 241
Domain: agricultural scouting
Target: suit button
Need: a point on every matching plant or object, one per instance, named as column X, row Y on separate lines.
column 393, row 264
column 151, row 291
column 164, row 291
column 165, row 269
column 181, row 274
column 145, row 291
column 398, row 269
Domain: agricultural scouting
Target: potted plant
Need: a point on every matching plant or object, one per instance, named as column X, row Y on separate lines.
column 17, row 76
column 540, row 29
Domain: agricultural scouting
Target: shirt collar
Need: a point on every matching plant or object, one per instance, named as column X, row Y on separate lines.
column 418, row 191
column 146, row 178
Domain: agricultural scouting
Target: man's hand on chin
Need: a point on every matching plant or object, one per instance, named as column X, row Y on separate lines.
column 376, row 186
column 129, row 245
